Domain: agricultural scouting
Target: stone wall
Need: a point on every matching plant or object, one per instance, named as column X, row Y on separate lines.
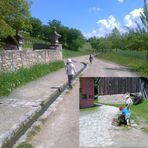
column 14, row 59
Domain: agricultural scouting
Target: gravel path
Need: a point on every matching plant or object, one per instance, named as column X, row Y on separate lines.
column 96, row 130
column 95, row 126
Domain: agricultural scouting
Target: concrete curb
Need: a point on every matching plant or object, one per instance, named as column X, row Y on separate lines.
column 8, row 139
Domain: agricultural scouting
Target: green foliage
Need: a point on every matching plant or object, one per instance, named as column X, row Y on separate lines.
column 85, row 50
column 11, row 80
column 75, row 39
column 95, row 43
column 14, row 16
column 36, row 27
column 141, row 110
column 71, row 38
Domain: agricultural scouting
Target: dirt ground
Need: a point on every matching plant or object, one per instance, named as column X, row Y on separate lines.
column 61, row 130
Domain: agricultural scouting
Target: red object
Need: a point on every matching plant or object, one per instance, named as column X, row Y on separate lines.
column 86, row 92
column 120, row 108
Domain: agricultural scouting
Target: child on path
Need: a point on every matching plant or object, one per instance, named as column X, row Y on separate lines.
column 128, row 102
column 126, row 113
column 70, row 71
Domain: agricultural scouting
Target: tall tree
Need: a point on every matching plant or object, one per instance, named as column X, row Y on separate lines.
column 5, row 11
column 15, row 15
column 36, row 27
column 142, row 28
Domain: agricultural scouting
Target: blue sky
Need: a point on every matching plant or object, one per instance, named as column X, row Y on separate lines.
column 91, row 17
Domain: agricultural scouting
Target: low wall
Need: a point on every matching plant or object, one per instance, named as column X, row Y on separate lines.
column 14, row 59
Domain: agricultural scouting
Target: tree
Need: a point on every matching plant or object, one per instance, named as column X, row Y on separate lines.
column 75, row 39
column 94, row 43
column 143, row 30
column 5, row 10
column 36, row 27
column 115, row 39
column 54, row 23
column 14, row 15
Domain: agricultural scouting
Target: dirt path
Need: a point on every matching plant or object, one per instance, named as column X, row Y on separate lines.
column 62, row 128
column 101, row 68
column 95, row 126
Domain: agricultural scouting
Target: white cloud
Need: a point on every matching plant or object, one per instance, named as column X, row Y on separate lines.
column 129, row 19
column 94, row 9
column 120, row 1
column 109, row 23
column 105, row 26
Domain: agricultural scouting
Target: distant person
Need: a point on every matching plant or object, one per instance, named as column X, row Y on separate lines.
column 70, row 71
column 90, row 59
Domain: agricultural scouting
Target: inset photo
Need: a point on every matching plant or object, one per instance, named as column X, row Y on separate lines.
column 113, row 112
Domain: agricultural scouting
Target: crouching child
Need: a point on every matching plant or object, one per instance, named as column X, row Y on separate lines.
column 126, row 114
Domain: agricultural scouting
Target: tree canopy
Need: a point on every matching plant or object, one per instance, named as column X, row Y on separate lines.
column 14, row 16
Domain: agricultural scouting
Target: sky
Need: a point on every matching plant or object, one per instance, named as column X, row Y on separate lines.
column 91, row 17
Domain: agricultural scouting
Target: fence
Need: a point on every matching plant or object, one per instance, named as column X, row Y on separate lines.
column 118, row 85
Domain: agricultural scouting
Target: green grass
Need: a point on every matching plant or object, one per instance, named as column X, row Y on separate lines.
column 24, row 145
column 85, row 50
column 11, row 80
column 89, row 109
column 134, row 60
column 141, row 111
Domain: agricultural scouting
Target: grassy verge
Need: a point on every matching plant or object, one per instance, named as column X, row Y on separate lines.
column 11, row 80
column 24, row 145
column 141, row 111
column 89, row 109
column 134, row 60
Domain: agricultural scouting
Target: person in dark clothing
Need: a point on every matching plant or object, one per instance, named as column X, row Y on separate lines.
column 90, row 59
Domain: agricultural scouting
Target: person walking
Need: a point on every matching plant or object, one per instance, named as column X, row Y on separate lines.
column 70, row 71
column 90, row 58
